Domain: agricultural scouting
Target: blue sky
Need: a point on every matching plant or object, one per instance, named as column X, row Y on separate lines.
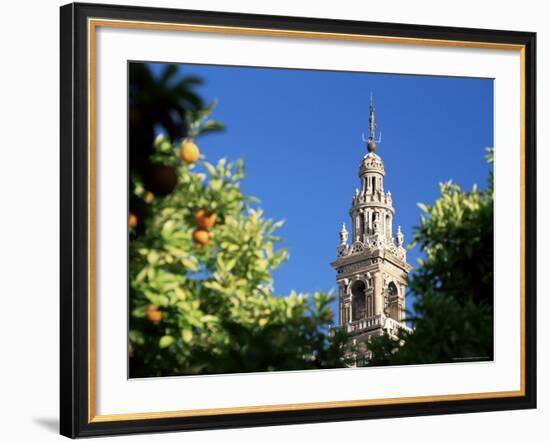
column 299, row 133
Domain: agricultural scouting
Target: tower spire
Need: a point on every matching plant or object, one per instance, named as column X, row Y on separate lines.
column 372, row 124
column 371, row 141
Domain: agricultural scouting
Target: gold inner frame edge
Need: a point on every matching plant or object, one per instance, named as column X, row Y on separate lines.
column 92, row 25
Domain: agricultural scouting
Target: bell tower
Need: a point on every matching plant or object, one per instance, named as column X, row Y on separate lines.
column 371, row 271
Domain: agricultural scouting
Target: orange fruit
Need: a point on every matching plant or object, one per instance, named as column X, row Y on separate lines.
column 132, row 220
column 204, row 219
column 153, row 314
column 160, row 180
column 189, row 152
column 201, row 236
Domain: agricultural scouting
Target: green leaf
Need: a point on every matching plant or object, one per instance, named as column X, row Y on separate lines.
column 165, row 146
column 210, row 168
column 423, row 207
column 165, row 341
column 209, row 318
column 186, row 335
column 168, row 227
column 136, row 336
column 191, row 263
column 230, row 264
column 216, row 184
column 152, row 257
column 156, row 299
column 211, row 126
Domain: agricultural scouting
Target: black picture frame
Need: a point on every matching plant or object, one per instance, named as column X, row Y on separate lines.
column 75, row 414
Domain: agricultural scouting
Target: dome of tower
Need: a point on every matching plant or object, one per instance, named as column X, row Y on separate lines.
column 371, row 162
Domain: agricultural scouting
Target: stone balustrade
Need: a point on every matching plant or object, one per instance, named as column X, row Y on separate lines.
column 374, row 322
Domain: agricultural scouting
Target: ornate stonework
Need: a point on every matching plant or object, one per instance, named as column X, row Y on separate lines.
column 371, row 271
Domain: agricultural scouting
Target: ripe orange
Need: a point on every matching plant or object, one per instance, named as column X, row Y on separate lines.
column 189, row 152
column 204, row 219
column 153, row 314
column 132, row 220
column 160, row 179
column 201, row 237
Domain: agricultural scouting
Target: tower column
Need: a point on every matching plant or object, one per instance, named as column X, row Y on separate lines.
column 377, row 293
column 350, row 308
column 341, row 312
column 403, row 302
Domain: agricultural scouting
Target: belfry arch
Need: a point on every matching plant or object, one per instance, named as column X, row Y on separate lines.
column 393, row 300
column 359, row 296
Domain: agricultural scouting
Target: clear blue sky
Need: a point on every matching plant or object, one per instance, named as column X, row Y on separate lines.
column 299, row 133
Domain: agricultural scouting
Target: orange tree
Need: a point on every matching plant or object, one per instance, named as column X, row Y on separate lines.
column 201, row 297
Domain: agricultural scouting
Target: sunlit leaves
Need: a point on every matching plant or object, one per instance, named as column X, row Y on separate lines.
column 219, row 312
column 165, row 341
column 453, row 282
column 186, row 335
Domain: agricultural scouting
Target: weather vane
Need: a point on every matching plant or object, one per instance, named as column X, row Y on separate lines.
column 371, row 140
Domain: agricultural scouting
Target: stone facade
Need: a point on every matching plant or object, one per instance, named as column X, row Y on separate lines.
column 371, row 269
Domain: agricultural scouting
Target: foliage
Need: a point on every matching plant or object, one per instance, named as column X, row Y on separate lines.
column 453, row 285
column 213, row 304
column 206, row 306
column 168, row 101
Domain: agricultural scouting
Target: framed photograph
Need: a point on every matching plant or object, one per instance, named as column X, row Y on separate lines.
column 275, row 220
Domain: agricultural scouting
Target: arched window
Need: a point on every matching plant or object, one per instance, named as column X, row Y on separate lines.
column 359, row 309
column 394, row 303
